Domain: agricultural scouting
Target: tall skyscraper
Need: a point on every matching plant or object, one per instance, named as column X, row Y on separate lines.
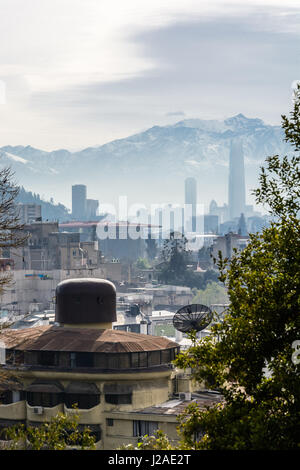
column 191, row 200
column 79, row 201
column 91, row 208
column 236, row 187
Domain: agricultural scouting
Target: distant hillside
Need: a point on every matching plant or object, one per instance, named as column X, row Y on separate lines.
column 150, row 166
column 50, row 211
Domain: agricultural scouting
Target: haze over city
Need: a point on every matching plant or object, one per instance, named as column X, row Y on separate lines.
column 149, row 228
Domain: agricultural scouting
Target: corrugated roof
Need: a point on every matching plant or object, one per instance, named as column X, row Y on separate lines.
column 58, row 338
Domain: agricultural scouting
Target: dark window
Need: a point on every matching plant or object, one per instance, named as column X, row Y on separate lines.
column 140, row 428
column 83, row 401
column 6, row 397
column 9, row 356
column 48, row 358
column 166, row 356
column 18, row 357
column 48, row 400
column 109, row 422
column 82, row 359
column 10, row 396
column 134, row 360
column 122, row 399
column 154, row 358
column 143, row 359
column 113, row 361
column 101, row 361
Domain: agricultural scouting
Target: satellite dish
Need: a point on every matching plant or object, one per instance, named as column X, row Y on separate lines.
column 192, row 317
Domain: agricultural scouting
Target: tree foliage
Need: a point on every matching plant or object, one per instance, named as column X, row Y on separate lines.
column 11, row 235
column 251, row 363
column 174, row 267
column 61, row 432
column 213, row 293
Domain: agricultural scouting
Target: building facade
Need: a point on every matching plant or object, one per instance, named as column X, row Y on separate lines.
column 236, row 186
column 116, row 378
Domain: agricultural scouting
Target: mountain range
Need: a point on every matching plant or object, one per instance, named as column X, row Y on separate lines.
column 150, row 166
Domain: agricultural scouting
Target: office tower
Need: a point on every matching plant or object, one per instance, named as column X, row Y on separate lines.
column 190, row 201
column 91, row 208
column 79, row 201
column 236, row 188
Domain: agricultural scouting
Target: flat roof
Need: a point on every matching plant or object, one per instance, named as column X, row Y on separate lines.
column 174, row 407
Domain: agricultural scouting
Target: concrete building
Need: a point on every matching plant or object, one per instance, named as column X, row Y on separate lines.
column 91, row 209
column 123, row 383
column 87, row 230
column 227, row 244
column 211, row 223
column 190, row 200
column 122, row 240
column 29, row 213
column 48, row 249
column 221, row 211
column 236, row 186
column 79, row 201
column 35, row 287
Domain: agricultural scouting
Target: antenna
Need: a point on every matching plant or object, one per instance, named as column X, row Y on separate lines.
column 192, row 317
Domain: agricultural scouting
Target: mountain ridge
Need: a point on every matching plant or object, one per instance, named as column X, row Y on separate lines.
column 135, row 163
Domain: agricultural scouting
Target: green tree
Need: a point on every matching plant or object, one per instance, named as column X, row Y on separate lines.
column 252, row 363
column 253, row 355
column 174, row 259
column 151, row 248
column 11, row 236
column 213, row 293
column 174, row 267
column 11, row 230
column 61, row 432
column 142, row 263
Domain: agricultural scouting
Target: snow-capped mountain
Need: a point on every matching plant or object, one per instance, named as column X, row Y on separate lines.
column 150, row 166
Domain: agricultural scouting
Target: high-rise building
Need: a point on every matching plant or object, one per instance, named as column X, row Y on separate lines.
column 91, row 208
column 79, row 201
column 190, row 200
column 236, row 188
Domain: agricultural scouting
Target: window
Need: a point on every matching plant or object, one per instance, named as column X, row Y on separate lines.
column 18, row 357
column 48, row 358
column 47, row 394
column 166, row 356
column 134, row 360
column 140, row 428
column 46, row 399
column 10, row 396
column 121, row 399
column 154, row 358
column 83, row 401
column 109, row 422
column 143, row 359
column 82, row 359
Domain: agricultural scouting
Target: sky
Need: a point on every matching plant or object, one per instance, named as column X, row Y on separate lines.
column 80, row 73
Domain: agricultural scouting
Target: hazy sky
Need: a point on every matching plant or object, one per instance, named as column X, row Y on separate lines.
column 79, row 73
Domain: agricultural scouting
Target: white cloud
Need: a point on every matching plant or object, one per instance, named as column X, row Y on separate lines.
column 56, row 47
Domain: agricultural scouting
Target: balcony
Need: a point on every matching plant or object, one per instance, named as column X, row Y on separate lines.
column 13, row 411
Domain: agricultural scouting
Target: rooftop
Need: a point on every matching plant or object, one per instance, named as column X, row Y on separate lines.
column 176, row 406
column 57, row 338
